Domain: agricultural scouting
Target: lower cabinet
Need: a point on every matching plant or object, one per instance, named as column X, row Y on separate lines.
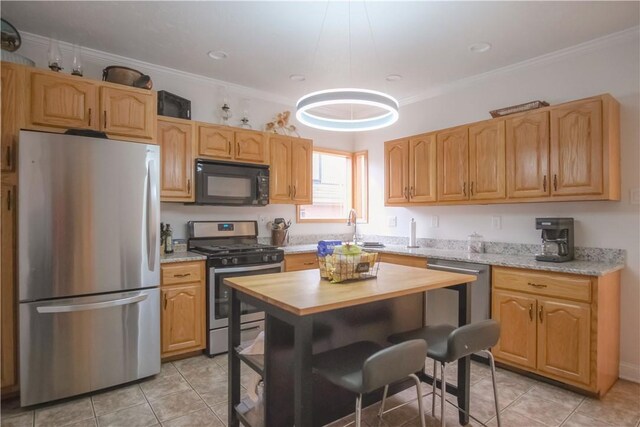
column 8, row 330
column 562, row 326
column 409, row 261
column 183, row 310
column 297, row 262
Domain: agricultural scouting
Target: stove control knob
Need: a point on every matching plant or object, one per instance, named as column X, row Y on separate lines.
column 265, row 258
column 225, row 261
column 234, row 260
column 274, row 257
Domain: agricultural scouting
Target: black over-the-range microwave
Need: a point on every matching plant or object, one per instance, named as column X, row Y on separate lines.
column 232, row 184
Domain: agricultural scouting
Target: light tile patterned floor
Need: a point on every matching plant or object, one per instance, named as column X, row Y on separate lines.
column 193, row 392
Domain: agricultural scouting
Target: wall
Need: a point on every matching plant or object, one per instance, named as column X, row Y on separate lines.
column 612, row 66
column 205, row 96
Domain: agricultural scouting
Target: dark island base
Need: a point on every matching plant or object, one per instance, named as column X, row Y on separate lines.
column 372, row 322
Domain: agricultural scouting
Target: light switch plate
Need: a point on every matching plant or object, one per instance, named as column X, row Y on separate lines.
column 496, row 222
column 392, row 221
column 263, row 219
column 634, row 197
column 435, row 221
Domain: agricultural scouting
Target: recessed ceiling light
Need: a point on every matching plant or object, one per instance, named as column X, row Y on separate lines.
column 479, row 47
column 218, row 54
column 393, row 77
column 297, row 77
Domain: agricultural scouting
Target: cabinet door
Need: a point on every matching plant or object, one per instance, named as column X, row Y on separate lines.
column 63, row 102
column 215, row 142
column 8, row 287
column 396, row 159
column 564, row 339
column 576, row 149
column 516, row 314
column 183, row 317
column 176, row 160
column 12, row 98
column 487, row 161
column 302, row 171
column 128, row 113
column 528, row 155
column 280, row 169
column 251, row 147
column 422, row 168
column 453, row 164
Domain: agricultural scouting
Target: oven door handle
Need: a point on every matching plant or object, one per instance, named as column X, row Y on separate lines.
column 242, row 269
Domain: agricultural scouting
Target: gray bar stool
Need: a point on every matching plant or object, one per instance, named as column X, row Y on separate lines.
column 448, row 344
column 365, row 366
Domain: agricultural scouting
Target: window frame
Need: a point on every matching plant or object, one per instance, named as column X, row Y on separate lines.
column 355, row 189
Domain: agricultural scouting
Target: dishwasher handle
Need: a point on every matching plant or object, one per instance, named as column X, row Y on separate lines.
column 454, row 269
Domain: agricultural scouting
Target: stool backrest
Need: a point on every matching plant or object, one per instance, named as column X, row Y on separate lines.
column 472, row 338
column 393, row 364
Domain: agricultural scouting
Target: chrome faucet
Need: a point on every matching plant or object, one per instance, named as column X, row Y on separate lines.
column 352, row 219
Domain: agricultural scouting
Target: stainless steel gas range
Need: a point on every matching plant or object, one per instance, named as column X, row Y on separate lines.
column 232, row 250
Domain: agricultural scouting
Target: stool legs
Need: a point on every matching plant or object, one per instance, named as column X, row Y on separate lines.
column 443, row 391
column 358, row 410
column 419, row 392
column 433, row 394
column 495, row 388
column 384, row 398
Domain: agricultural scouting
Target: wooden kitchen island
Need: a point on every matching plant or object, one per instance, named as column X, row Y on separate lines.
column 305, row 315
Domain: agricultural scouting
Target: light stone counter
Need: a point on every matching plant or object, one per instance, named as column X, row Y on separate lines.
column 587, row 268
column 181, row 257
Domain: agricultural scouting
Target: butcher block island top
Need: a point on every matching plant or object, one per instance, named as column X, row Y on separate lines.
column 304, row 292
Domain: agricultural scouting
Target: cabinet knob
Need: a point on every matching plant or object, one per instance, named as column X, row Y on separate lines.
column 555, row 182
column 105, row 119
column 540, row 313
column 544, row 183
column 464, row 188
column 189, row 185
column 89, row 116
column 531, row 312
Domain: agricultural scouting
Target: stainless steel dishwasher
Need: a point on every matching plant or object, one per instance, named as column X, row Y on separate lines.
column 442, row 304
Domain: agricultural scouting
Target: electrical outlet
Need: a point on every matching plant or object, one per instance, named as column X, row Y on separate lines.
column 634, row 196
column 392, row 221
column 496, row 222
column 263, row 219
column 435, row 221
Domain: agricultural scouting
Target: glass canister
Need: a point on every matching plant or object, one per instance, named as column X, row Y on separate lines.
column 475, row 244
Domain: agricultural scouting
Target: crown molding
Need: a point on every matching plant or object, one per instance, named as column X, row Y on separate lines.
column 612, row 39
column 112, row 59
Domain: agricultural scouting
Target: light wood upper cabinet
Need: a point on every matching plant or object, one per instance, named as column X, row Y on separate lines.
column 487, row 161
column 182, row 312
column 576, row 148
column 516, row 314
column 63, row 101
column 396, row 162
column 302, row 171
column 251, row 146
column 280, row 169
column 564, row 339
column 422, row 168
column 8, row 304
column 291, row 170
column 528, row 155
column 12, row 92
column 453, row 164
column 215, row 141
column 176, row 139
column 128, row 113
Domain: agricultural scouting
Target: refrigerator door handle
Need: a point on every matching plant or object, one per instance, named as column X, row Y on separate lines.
column 91, row 306
column 152, row 216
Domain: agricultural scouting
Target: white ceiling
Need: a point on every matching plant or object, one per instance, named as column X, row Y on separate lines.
column 426, row 42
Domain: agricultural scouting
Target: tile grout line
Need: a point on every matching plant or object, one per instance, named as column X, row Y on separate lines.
column 93, row 408
column 147, row 400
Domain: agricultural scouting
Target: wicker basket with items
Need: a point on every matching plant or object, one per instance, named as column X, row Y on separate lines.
column 341, row 263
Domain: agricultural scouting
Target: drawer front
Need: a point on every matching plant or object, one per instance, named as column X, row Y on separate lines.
column 541, row 283
column 182, row 272
column 409, row 261
column 298, row 262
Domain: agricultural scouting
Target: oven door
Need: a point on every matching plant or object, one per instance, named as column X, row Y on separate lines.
column 226, row 184
column 219, row 293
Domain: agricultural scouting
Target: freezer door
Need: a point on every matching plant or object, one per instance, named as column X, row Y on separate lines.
column 89, row 216
column 76, row 345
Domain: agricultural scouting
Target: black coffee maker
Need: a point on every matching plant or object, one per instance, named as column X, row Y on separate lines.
column 557, row 239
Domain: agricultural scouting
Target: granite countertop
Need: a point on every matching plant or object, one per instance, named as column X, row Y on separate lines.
column 181, row 257
column 588, row 268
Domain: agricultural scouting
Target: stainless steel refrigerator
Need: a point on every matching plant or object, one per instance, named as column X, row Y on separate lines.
column 88, row 262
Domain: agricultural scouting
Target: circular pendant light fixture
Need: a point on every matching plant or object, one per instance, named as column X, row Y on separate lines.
column 332, row 97
column 310, row 108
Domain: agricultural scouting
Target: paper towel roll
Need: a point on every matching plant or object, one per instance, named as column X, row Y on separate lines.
column 412, row 234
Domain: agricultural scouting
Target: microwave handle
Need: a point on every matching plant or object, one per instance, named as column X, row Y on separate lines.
column 259, row 192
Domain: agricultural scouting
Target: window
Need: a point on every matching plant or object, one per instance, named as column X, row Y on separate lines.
column 339, row 184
